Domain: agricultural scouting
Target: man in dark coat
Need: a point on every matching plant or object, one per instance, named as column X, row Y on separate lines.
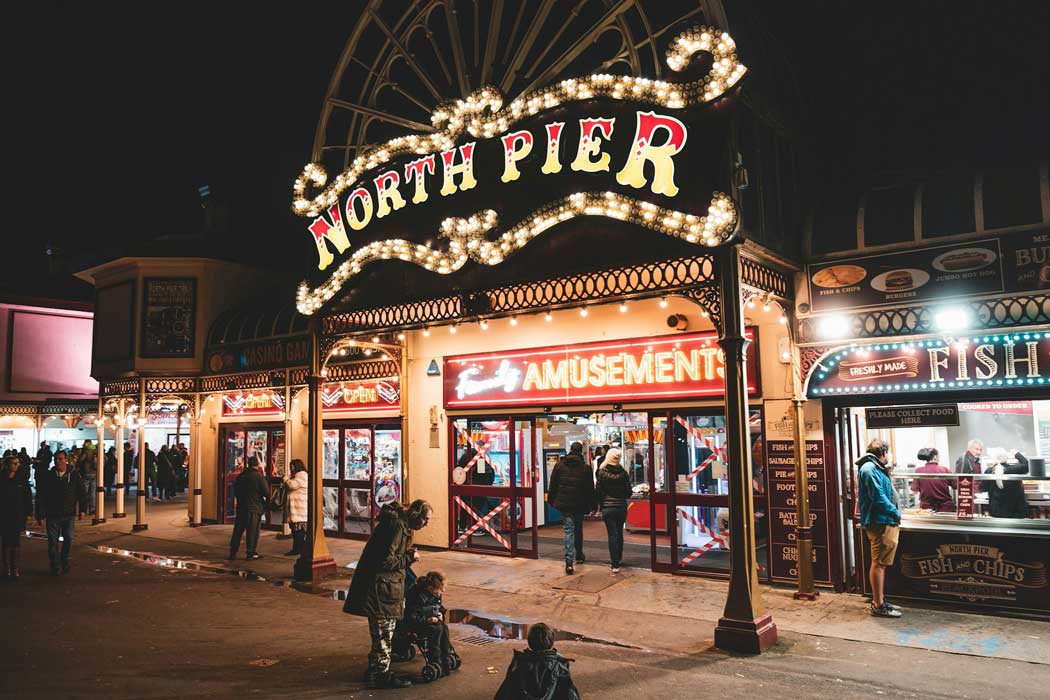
column 56, row 500
column 571, row 490
column 41, row 464
column 151, row 472
column 970, row 462
column 165, row 474
column 1006, row 498
column 129, row 460
column 252, row 493
column 377, row 590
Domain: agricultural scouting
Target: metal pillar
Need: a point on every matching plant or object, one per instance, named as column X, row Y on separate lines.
column 745, row 626
column 196, row 493
column 286, row 528
column 118, row 440
column 803, row 527
column 315, row 562
column 100, row 472
column 140, row 497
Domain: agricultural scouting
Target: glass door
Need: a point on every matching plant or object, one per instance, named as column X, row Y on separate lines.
column 362, row 473
column 232, row 465
column 492, row 482
column 692, row 486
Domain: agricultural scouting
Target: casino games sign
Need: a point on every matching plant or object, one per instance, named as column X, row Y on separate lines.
column 495, row 174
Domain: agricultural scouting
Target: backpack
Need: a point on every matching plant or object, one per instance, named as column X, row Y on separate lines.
column 279, row 497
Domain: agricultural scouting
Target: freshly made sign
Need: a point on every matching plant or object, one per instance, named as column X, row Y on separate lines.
column 491, row 176
column 642, row 369
column 976, row 362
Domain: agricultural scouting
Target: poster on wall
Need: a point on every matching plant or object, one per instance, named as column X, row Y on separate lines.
column 780, row 475
column 168, row 317
column 1018, row 262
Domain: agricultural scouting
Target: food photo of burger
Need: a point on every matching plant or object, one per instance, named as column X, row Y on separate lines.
column 902, row 280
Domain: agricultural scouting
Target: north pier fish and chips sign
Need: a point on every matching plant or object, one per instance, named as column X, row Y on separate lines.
column 495, row 174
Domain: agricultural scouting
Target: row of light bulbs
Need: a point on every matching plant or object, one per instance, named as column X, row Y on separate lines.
column 470, row 112
column 467, row 236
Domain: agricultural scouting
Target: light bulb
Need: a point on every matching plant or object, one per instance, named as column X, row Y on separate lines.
column 583, row 312
column 400, row 336
column 484, row 325
column 548, row 317
column 783, row 320
column 375, row 339
column 426, row 333
column 663, row 303
column 623, row 308
column 452, row 330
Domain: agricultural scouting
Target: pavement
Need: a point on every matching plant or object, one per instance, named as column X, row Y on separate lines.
column 119, row 626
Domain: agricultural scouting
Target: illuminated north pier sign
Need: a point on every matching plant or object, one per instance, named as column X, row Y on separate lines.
column 974, row 362
column 491, row 176
column 641, row 369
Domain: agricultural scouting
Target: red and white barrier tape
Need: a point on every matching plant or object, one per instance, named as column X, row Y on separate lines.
column 482, row 522
column 482, row 454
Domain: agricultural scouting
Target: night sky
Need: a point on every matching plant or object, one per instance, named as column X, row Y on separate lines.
column 132, row 106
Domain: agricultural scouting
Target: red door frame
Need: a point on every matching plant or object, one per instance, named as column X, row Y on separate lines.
column 503, row 492
column 226, row 429
column 671, row 499
column 343, row 484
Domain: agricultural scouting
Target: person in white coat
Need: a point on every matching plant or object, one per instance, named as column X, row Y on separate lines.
column 298, row 485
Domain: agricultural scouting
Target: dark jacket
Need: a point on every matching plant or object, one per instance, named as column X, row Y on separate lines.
column 571, row 488
column 43, row 457
column 877, row 499
column 57, row 496
column 164, row 468
column 378, row 586
column 110, row 468
column 613, row 489
column 16, row 504
column 151, row 465
column 968, row 464
column 422, row 605
column 475, row 476
column 1007, row 501
column 252, row 491
column 538, row 675
column 129, row 462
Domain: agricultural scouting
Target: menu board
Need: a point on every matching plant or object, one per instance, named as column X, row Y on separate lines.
column 780, row 473
column 1017, row 262
column 964, row 494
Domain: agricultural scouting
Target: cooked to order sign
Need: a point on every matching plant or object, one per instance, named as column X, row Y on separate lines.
column 913, row 416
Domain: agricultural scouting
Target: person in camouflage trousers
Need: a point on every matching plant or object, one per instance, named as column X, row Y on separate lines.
column 377, row 590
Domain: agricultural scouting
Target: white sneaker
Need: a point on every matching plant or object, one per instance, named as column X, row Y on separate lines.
column 615, row 569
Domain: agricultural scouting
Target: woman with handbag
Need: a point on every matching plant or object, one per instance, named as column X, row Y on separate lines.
column 298, row 485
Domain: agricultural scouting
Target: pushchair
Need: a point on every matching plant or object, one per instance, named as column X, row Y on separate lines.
column 407, row 641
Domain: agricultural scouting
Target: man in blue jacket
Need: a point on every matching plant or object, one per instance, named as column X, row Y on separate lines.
column 880, row 517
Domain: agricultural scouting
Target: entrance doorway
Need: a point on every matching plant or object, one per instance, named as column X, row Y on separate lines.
column 678, row 516
column 361, row 473
column 493, row 486
column 238, row 443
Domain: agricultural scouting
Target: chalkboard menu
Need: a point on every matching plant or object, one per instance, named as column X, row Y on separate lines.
column 780, row 472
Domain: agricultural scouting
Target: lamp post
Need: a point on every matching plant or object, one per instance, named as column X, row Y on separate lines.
column 745, row 626
column 315, row 562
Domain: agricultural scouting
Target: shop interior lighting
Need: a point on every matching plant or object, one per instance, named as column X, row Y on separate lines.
column 952, row 319
column 483, row 115
column 834, row 326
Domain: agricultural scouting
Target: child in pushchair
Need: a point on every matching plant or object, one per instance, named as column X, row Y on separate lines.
column 424, row 626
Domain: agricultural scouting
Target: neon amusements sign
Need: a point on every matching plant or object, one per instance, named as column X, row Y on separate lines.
column 492, row 177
